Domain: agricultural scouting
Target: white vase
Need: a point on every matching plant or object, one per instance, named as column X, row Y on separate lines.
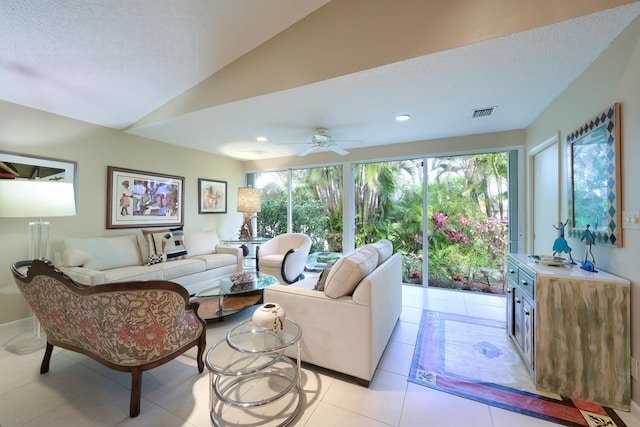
column 269, row 316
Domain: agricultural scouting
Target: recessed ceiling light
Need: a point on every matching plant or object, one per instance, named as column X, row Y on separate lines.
column 262, row 139
column 403, row 117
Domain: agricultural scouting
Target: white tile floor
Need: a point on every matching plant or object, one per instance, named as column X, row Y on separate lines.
column 80, row 392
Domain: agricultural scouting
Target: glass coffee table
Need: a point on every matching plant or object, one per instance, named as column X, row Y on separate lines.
column 252, row 382
column 226, row 295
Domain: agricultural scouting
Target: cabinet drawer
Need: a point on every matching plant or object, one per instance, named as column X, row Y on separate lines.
column 512, row 272
column 527, row 283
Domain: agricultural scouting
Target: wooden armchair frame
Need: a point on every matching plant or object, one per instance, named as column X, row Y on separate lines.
column 126, row 326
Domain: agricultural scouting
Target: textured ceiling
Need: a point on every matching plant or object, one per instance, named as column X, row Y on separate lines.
column 113, row 63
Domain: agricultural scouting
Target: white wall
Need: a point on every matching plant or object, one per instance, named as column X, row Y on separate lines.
column 31, row 132
column 614, row 77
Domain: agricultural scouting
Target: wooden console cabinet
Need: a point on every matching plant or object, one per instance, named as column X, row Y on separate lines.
column 572, row 328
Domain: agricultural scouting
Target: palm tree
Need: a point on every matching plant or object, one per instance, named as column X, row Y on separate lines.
column 377, row 191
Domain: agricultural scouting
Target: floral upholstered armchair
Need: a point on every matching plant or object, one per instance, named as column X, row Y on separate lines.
column 127, row 326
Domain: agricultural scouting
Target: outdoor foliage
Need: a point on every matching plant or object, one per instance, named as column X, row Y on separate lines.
column 467, row 241
column 312, row 210
column 307, row 218
column 467, row 226
column 467, row 254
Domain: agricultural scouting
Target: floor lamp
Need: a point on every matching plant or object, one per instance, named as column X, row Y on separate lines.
column 35, row 199
column 249, row 204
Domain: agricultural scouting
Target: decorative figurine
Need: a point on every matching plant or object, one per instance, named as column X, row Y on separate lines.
column 589, row 240
column 245, row 232
column 560, row 245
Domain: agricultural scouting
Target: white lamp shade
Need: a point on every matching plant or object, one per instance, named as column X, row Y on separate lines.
column 248, row 200
column 36, row 199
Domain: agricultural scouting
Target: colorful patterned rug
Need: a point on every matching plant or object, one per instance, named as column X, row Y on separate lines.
column 474, row 358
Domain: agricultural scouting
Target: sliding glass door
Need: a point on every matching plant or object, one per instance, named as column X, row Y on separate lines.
column 302, row 201
column 388, row 204
column 461, row 242
column 468, row 221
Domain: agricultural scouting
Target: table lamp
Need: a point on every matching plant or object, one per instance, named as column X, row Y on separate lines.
column 249, row 204
column 35, row 199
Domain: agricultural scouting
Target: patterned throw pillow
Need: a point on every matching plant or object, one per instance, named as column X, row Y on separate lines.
column 177, row 250
column 168, row 244
column 155, row 259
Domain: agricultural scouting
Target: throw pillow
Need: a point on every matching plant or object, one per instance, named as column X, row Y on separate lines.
column 384, row 248
column 322, row 280
column 168, row 243
column 150, row 241
column 349, row 270
column 155, row 259
column 175, row 248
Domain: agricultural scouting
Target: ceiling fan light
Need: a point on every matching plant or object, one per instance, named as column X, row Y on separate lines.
column 403, row 117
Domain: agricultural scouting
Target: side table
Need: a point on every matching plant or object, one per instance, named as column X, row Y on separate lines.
column 248, row 370
column 254, row 247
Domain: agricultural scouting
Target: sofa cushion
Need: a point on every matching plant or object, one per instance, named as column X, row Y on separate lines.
column 135, row 272
column 101, row 253
column 349, row 270
column 184, row 267
column 273, row 261
column 384, row 248
column 201, row 242
column 213, row 261
column 168, row 241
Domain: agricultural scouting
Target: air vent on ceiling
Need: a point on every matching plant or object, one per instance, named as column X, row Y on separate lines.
column 483, row 112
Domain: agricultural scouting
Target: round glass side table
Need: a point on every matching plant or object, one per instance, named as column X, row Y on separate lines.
column 248, row 370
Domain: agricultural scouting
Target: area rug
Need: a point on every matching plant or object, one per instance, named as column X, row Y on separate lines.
column 475, row 359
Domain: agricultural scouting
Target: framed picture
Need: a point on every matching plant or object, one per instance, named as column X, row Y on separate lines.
column 143, row 199
column 19, row 166
column 212, row 196
column 595, row 200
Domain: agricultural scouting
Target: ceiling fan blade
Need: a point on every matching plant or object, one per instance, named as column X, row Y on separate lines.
column 339, row 150
column 308, row 151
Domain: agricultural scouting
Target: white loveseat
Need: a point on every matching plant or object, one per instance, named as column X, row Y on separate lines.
column 189, row 258
column 347, row 326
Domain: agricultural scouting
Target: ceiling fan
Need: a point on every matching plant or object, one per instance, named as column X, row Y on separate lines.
column 321, row 140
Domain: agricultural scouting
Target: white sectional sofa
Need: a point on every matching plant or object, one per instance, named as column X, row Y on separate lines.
column 346, row 326
column 189, row 258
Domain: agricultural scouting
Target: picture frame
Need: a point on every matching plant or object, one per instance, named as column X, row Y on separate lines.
column 143, row 199
column 595, row 195
column 212, row 196
column 21, row 166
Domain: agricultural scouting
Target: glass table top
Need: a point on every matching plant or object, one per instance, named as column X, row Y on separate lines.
column 249, row 348
column 234, row 284
column 249, row 338
column 257, row 240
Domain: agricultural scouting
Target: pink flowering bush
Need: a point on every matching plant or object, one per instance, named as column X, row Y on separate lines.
column 466, row 253
column 412, row 269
